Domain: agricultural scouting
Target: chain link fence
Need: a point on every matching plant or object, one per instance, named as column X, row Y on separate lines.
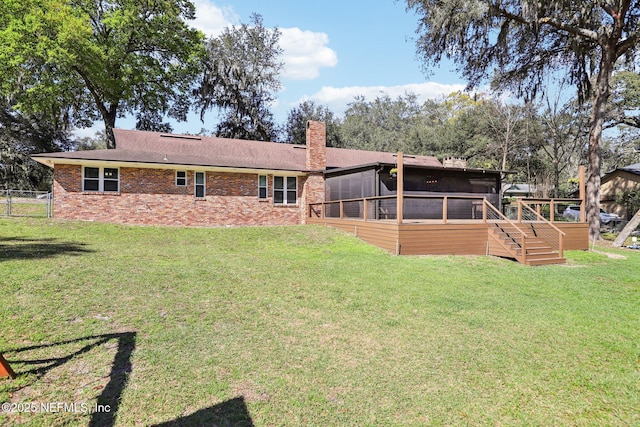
column 26, row 203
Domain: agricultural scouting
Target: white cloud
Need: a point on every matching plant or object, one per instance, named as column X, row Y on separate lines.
column 338, row 98
column 212, row 19
column 305, row 52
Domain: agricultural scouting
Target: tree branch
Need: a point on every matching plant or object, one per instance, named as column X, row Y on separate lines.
column 571, row 29
column 624, row 45
column 576, row 31
column 94, row 92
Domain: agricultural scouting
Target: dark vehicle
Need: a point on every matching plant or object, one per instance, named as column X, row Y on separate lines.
column 572, row 212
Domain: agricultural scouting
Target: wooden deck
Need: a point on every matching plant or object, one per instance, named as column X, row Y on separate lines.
column 464, row 237
column 530, row 239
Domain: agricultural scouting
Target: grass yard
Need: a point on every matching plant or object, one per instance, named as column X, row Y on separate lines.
column 306, row 326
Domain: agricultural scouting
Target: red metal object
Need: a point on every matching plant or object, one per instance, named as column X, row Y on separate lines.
column 5, row 369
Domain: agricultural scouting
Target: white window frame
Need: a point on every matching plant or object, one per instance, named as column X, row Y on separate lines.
column 265, row 187
column 180, row 177
column 101, row 179
column 285, row 191
column 196, row 184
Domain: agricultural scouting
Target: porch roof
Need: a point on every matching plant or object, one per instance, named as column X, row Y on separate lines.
column 411, row 165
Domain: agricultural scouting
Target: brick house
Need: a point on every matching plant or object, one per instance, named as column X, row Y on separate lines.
column 162, row 179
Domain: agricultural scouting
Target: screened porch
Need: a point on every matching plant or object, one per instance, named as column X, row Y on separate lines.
column 370, row 192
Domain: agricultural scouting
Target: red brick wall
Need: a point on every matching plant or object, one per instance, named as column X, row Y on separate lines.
column 313, row 192
column 151, row 197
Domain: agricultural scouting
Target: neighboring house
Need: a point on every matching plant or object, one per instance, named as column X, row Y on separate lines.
column 619, row 181
column 519, row 190
column 162, row 179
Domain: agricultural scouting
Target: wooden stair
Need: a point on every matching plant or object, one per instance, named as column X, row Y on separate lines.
column 505, row 240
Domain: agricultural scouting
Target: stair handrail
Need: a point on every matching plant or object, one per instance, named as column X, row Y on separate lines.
column 561, row 234
column 502, row 217
column 541, row 218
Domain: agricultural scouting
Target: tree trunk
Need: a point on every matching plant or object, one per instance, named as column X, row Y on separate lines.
column 108, row 128
column 108, row 114
column 596, row 121
column 556, row 176
column 109, row 118
column 627, row 230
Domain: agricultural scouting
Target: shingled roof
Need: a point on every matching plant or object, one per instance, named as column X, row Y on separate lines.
column 634, row 168
column 143, row 147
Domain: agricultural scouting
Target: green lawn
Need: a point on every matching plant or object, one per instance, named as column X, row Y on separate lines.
column 307, row 326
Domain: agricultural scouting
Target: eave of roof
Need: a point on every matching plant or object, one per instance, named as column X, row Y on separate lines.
column 634, row 168
column 50, row 161
column 339, row 171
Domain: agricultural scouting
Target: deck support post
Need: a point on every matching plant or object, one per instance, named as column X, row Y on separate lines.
column 444, row 209
column 341, row 209
column 365, row 208
column 400, row 190
column 583, row 194
column 484, row 213
column 552, row 210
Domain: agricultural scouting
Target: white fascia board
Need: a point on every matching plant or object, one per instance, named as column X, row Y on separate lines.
column 51, row 161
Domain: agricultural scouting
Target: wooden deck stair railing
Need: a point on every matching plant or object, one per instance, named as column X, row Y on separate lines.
column 505, row 233
column 541, row 227
column 532, row 241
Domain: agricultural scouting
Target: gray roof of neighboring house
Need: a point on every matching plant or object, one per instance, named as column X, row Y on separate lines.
column 518, row 188
column 634, row 168
column 134, row 146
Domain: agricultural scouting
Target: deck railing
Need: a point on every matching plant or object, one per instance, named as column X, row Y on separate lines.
column 435, row 207
column 415, row 207
column 551, row 209
column 512, row 235
column 541, row 227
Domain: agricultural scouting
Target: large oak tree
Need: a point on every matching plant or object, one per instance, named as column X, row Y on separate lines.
column 295, row 129
column 100, row 59
column 22, row 135
column 241, row 78
column 519, row 43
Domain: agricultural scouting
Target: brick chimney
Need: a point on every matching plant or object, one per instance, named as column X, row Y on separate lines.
column 454, row 162
column 316, row 146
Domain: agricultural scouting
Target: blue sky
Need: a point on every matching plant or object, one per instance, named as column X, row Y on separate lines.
column 333, row 51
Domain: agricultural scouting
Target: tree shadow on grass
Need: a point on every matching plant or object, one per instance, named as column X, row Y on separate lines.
column 121, row 367
column 12, row 248
column 230, row 413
